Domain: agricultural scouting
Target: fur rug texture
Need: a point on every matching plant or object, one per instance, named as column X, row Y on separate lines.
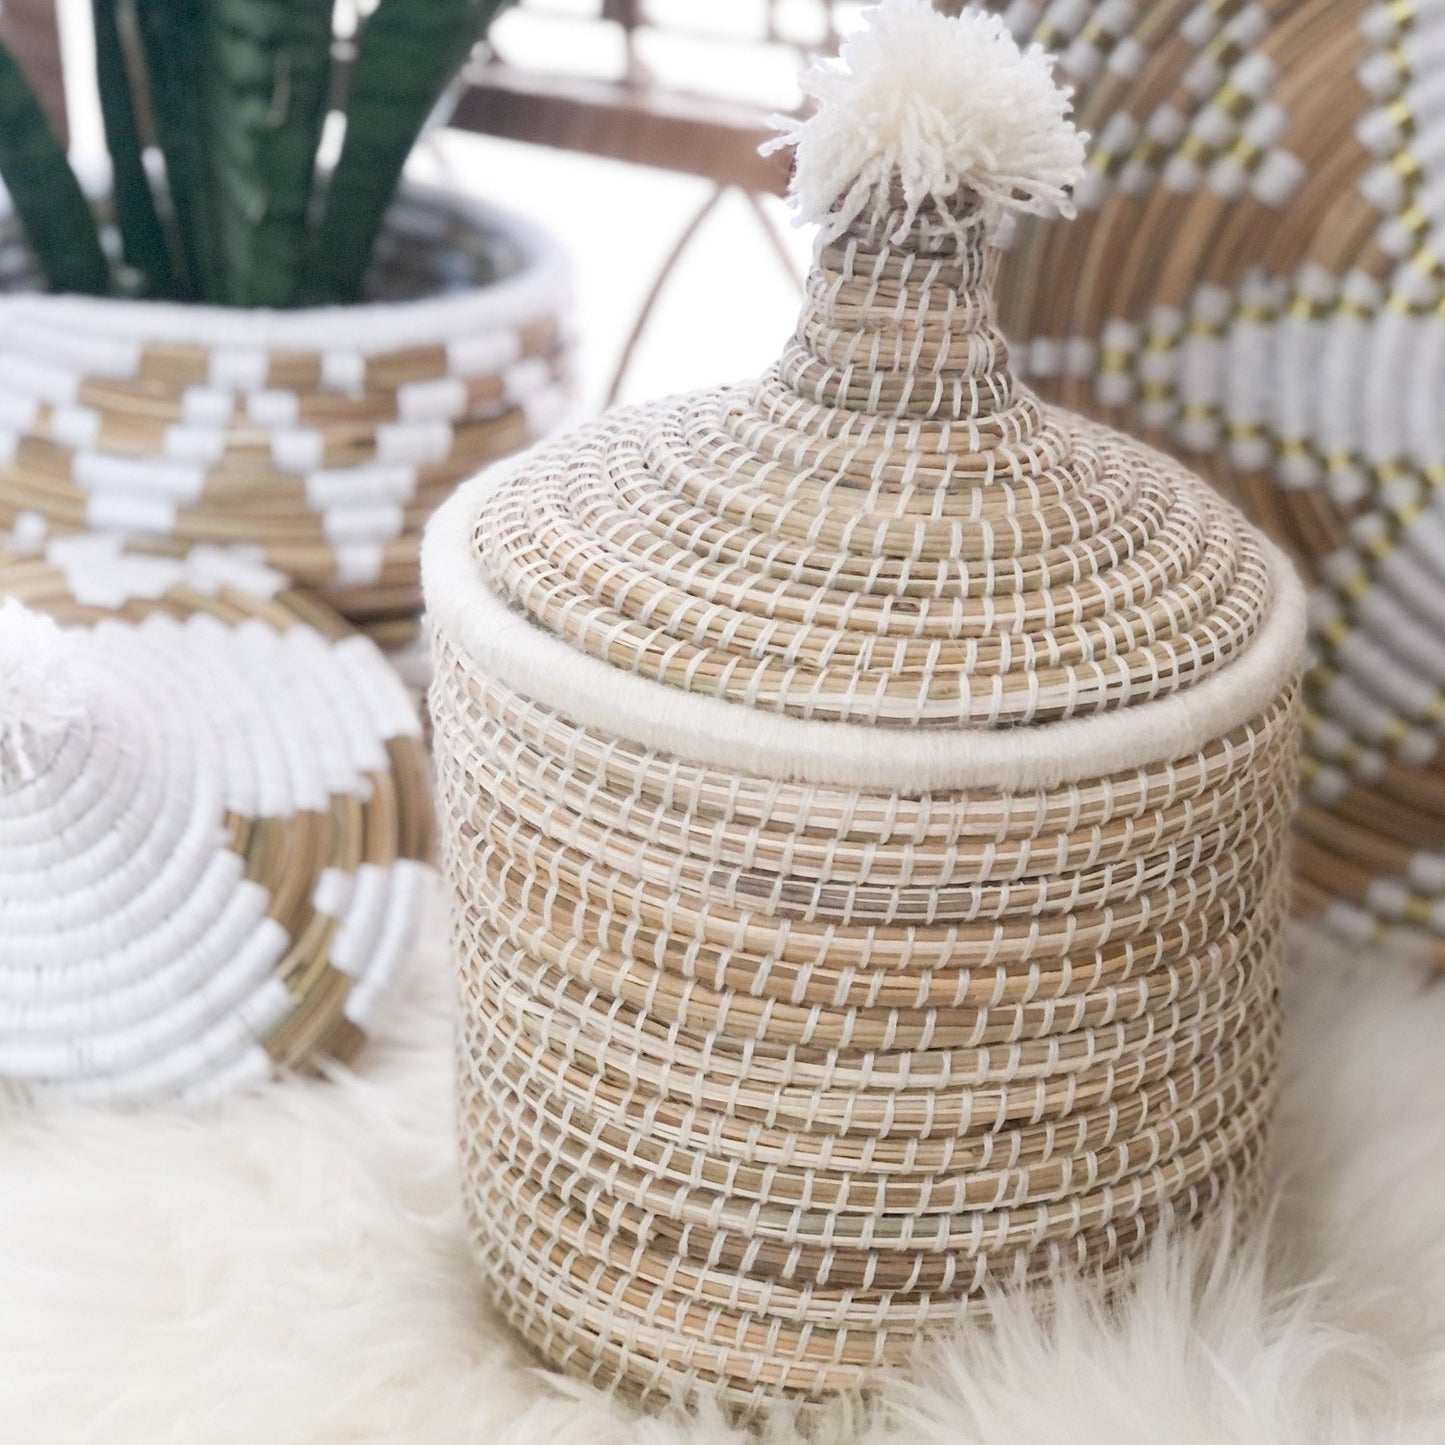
column 291, row 1269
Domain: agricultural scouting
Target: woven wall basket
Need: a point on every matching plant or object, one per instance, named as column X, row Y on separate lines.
column 864, row 795
column 1258, row 287
column 319, row 439
column 215, row 821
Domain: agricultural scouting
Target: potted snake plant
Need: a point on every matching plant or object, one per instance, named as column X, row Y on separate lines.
column 232, row 345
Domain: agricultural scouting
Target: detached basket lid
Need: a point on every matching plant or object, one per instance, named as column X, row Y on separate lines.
column 214, row 821
column 886, row 529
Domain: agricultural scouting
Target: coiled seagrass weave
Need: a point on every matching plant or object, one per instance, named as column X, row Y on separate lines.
column 215, row 825
column 1257, row 284
column 864, row 799
column 319, row 439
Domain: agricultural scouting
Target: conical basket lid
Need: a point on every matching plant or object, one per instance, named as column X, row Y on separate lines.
column 214, row 821
column 887, row 528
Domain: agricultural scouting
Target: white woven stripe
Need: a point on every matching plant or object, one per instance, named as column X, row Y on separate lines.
column 530, row 295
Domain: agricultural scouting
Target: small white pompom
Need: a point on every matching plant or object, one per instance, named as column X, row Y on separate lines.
column 41, row 691
column 931, row 106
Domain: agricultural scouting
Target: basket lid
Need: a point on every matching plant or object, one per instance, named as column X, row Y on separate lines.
column 887, row 528
column 214, row 821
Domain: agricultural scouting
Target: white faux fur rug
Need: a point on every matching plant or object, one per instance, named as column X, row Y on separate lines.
column 292, row 1271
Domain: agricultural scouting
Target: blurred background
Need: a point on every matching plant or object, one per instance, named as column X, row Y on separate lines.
column 1255, row 280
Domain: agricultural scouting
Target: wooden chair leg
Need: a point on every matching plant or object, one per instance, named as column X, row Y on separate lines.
column 776, row 244
column 649, row 303
column 779, row 246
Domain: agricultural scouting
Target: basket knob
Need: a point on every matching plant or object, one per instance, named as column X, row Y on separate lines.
column 42, row 692
column 926, row 137
column 932, row 111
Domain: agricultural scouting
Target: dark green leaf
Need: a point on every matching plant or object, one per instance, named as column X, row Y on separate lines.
column 173, row 41
column 408, row 53
column 143, row 239
column 266, row 95
column 47, row 198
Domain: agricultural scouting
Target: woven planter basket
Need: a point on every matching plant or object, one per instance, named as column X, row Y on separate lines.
column 864, row 799
column 215, row 825
column 319, row 440
column 1258, row 288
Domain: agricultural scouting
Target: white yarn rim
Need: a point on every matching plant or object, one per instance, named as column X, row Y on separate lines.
column 530, row 293
column 509, row 647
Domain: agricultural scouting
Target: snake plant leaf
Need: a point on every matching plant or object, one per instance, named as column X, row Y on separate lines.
column 409, row 52
column 143, row 239
column 266, row 96
column 44, row 191
column 173, row 36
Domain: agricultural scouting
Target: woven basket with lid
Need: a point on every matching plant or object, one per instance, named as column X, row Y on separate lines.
column 864, row 795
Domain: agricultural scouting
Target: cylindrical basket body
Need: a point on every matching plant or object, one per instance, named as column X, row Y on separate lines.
column 864, row 800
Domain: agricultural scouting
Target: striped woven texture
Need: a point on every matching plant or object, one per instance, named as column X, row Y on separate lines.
column 215, row 826
column 865, row 793
column 764, row 1071
column 1258, row 287
column 319, row 440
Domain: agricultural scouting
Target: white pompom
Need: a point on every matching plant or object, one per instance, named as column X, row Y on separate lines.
column 41, row 691
column 932, row 106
